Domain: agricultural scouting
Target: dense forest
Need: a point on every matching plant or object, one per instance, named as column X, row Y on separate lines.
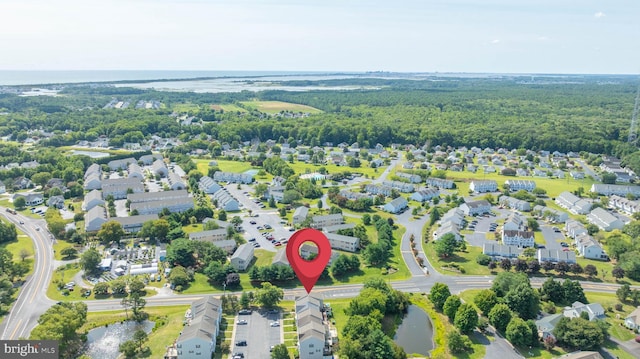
column 591, row 113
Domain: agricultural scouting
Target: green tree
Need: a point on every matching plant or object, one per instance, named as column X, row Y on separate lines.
column 485, row 300
column 439, row 294
column 552, row 290
column 458, row 343
column 110, row 232
column 101, row 288
column 518, row 332
column 466, row 318
column 280, row 352
column 523, row 300
column 245, row 300
column 128, row 349
column 179, row 276
column 181, row 252
column 140, row 337
column 376, row 254
column 269, row 295
column 222, row 215
column 69, row 253
column 578, row 333
column 446, row 245
column 359, row 326
column 573, row 292
column 90, row 260
column 61, row 322
column 451, row 306
column 500, row 316
column 623, row 292
column 366, row 219
column 20, row 203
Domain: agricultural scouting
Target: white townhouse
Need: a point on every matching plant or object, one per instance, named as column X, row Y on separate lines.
column 474, row 208
column 517, row 185
column 604, row 220
column 483, row 186
column 573, row 203
column 518, row 238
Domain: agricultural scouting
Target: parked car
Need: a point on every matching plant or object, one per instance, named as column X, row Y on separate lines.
column 277, row 244
column 241, row 322
column 238, row 356
column 267, row 226
column 252, row 240
column 241, row 343
column 275, row 324
column 245, row 311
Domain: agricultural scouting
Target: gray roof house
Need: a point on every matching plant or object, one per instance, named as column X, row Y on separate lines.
column 280, row 258
column 326, row 220
column 474, row 208
column 95, row 218
column 178, row 205
column 496, row 250
column 208, row 185
column 198, row 337
column 396, row 205
column 119, row 187
column 156, row 196
column 159, row 168
column 573, row 203
column 92, row 199
column 56, row 202
column 242, row 257
column 594, row 310
column 93, row 181
column 121, row 164
column 632, row 321
column 176, row 182
column 147, row 160
column 343, row 243
column 135, row 171
column 300, row 214
column 226, row 201
column 604, row 220
column 133, row 224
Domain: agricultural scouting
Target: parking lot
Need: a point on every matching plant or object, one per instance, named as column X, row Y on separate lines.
column 266, row 216
column 257, row 332
column 552, row 239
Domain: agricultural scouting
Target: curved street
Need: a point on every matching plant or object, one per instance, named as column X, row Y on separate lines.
column 32, row 300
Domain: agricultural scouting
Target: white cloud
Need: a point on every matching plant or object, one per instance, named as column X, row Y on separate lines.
column 599, row 14
column 496, row 41
column 542, row 38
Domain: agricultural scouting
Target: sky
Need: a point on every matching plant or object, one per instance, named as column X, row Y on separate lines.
column 496, row 36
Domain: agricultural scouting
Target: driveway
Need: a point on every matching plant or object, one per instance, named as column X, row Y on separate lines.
column 258, row 333
column 496, row 348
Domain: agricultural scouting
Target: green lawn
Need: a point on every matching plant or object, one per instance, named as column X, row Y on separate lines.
column 609, row 300
column 466, row 260
column 263, row 257
column 553, row 186
column 168, row 325
column 23, row 243
column 65, row 275
column 228, row 107
column 302, row 168
column 277, row 106
column 224, row 165
column 58, row 246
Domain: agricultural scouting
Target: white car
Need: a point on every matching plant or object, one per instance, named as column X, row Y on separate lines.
column 275, row 324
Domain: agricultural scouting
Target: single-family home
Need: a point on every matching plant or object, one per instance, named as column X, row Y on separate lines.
column 22, row 183
column 30, row 198
column 56, row 202
column 242, row 257
column 593, row 310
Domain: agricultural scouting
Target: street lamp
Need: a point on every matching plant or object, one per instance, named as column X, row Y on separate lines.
column 224, row 287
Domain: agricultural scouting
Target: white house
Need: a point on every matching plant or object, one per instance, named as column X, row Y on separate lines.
column 95, row 218
column 312, row 332
column 573, row 203
column 589, row 248
column 447, row 228
column 620, row 190
column 475, row 208
column 424, row 195
column 212, row 235
column 242, row 257
column 514, row 222
column 233, row 177
column 632, row 321
column 92, row 199
column 551, row 214
column 483, row 186
column 555, row 256
column 439, row 183
column 575, row 228
column 197, row 339
column 226, row 201
column 300, row 214
column 496, row 250
column 515, row 203
column 326, row 220
column 208, row 185
column 518, row 185
column 343, row 243
column 604, row 220
column 624, row 204
column 396, row 205
column 176, row 182
column 594, row 310
column 518, row 238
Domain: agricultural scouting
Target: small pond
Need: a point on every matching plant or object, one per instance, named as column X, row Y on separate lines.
column 92, row 154
column 415, row 334
column 103, row 342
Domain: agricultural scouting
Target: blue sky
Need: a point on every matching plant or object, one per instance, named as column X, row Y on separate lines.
column 521, row 36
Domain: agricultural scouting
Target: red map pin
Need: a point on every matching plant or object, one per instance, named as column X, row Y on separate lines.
column 308, row 271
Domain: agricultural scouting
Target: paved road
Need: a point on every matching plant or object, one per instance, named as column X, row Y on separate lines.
column 32, row 300
column 588, row 171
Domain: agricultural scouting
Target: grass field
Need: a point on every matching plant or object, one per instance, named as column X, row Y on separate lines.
column 168, row 325
column 278, row 106
column 224, row 165
column 466, row 260
column 228, row 107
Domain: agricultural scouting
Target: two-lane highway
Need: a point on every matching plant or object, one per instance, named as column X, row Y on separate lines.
column 32, row 300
